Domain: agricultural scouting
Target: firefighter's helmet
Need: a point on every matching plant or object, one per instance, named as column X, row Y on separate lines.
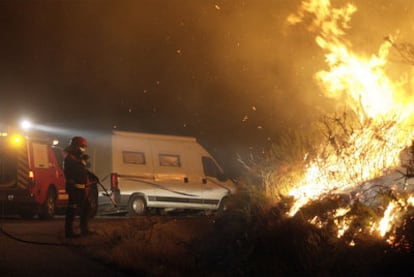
column 78, row 142
column 77, row 145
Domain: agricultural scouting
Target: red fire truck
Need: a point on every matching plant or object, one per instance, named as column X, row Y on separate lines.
column 31, row 177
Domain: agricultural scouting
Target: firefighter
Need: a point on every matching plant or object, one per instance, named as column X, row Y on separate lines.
column 76, row 174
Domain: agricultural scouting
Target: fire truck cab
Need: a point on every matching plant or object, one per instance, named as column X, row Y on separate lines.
column 31, row 177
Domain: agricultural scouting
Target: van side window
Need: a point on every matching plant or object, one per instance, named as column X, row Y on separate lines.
column 169, row 160
column 133, row 157
column 210, row 167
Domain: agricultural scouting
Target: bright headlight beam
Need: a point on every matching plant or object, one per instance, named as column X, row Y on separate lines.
column 26, row 124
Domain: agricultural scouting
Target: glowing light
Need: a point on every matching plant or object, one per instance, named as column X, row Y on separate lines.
column 342, row 211
column 343, row 226
column 16, row 139
column 410, row 200
column 26, row 125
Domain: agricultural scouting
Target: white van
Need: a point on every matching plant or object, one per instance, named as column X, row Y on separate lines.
column 151, row 171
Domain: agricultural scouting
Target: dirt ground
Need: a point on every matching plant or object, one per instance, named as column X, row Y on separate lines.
column 151, row 245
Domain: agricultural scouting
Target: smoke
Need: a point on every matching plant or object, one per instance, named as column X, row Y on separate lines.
column 227, row 71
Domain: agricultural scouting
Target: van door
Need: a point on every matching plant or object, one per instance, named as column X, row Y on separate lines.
column 170, row 178
column 215, row 181
column 176, row 185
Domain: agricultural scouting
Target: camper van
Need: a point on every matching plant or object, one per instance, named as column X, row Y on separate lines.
column 159, row 172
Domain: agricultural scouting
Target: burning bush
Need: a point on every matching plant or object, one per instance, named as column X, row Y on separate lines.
column 333, row 203
column 257, row 238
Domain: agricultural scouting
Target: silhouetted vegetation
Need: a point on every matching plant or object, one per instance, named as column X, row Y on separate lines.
column 260, row 241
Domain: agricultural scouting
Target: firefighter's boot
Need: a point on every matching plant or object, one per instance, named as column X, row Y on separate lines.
column 70, row 217
column 84, row 225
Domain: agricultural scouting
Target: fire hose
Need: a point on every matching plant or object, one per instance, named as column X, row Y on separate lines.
column 106, row 193
column 10, row 236
column 7, row 234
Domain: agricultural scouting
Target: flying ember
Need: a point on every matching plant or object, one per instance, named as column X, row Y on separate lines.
column 362, row 85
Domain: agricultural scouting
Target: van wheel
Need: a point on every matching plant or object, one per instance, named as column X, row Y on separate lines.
column 47, row 210
column 136, row 206
column 224, row 206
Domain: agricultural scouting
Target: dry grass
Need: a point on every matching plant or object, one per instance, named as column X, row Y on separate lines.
column 153, row 246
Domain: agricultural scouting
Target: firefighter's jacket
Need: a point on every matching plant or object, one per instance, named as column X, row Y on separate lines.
column 76, row 173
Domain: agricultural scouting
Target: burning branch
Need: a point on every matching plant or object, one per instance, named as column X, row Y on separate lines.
column 405, row 50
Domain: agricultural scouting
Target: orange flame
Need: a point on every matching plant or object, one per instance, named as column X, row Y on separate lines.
column 389, row 215
column 380, row 103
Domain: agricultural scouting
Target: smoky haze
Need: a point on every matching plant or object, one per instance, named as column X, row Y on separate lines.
column 232, row 73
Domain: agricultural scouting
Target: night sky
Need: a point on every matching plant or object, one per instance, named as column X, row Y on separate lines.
column 231, row 73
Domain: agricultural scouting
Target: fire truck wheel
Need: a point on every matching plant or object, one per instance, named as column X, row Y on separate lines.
column 136, row 206
column 48, row 208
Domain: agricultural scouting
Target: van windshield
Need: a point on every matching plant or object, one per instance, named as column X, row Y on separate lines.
column 212, row 170
column 8, row 167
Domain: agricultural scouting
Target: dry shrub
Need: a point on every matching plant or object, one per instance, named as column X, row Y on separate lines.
column 256, row 239
column 283, row 164
column 263, row 242
column 404, row 235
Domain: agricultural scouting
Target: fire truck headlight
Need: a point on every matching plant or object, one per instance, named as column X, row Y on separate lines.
column 16, row 140
column 25, row 124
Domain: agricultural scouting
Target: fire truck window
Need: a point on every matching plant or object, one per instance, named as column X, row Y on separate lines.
column 41, row 159
column 59, row 156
